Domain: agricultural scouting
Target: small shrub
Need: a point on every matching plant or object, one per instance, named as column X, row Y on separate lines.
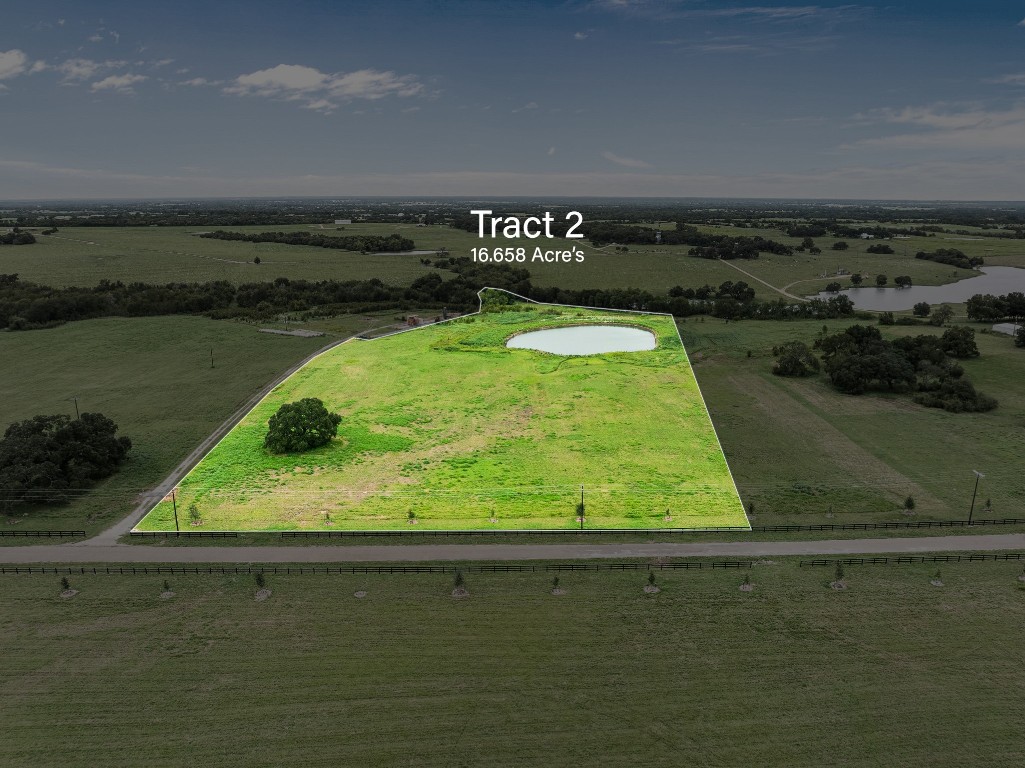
column 167, row 585
column 260, row 580
column 651, row 578
column 194, row 512
column 65, row 584
column 555, row 583
column 909, row 503
column 839, row 574
column 459, row 582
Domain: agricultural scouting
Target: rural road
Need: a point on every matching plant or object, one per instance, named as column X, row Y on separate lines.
column 782, row 291
column 93, row 552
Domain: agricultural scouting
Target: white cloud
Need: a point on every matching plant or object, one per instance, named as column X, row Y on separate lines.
column 528, row 106
column 197, row 82
column 770, row 12
column 103, row 33
column 626, row 162
column 85, row 69
column 1017, row 79
column 12, row 63
column 680, row 9
column 118, row 83
column 161, row 63
column 321, row 105
column 1021, row 23
column 579, row 35
column 945, row 126
column 551, row 151
column 976, row 180
column 294, row 82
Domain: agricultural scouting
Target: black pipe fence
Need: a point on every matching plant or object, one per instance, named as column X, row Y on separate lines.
column 186, row 534
column 44, row 534
column 619, row 531
column 311, row 570
column 909, row 559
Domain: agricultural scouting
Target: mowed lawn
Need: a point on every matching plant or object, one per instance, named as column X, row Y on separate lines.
column 152, row 376
column 890, row 672
column 447, row 427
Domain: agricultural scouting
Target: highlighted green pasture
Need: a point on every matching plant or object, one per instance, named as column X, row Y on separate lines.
column 444, row 428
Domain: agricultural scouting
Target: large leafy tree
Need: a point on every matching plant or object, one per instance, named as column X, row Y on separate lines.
column 793, row 358
column 959, row 341
column 47, row 459
column 300, row 426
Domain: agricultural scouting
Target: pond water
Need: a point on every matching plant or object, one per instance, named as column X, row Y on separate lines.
column 585, row 340
column 995, row 280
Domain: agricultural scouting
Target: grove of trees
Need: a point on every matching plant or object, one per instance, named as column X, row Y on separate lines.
column 951, row 256
column 859, row 360
column 49, row 459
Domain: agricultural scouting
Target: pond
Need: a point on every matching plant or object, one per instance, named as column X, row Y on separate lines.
column 995, row 280
column 585, row 340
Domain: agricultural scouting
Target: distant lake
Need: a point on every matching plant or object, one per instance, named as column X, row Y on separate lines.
column 995, row 280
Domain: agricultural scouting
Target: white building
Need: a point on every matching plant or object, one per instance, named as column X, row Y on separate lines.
column 1009, row 328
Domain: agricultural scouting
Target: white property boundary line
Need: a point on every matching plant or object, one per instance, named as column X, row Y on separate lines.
column 480, row 308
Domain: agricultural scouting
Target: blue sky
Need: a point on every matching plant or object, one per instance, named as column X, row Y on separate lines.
column 921, row 100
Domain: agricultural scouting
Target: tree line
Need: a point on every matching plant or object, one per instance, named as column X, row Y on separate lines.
column 363, row 243
column 26, row 305
column 951, row 256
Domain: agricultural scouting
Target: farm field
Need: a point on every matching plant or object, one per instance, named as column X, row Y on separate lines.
column 744, row 399
column 152, row 376
column 803, row 453
column 891, row 671
column 85, row 255
column 446, row 428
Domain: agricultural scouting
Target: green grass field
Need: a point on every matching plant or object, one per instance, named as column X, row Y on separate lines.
column 86, row 255
column 134, row 368
column 803, row 453
column 447, row 423
column 891, row 671
column 153, row 377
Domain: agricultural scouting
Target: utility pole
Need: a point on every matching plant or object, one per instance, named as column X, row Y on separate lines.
column 581, row 507
column 75, row 398
column 211, row 357
column 978, row 476
column 174, row 504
